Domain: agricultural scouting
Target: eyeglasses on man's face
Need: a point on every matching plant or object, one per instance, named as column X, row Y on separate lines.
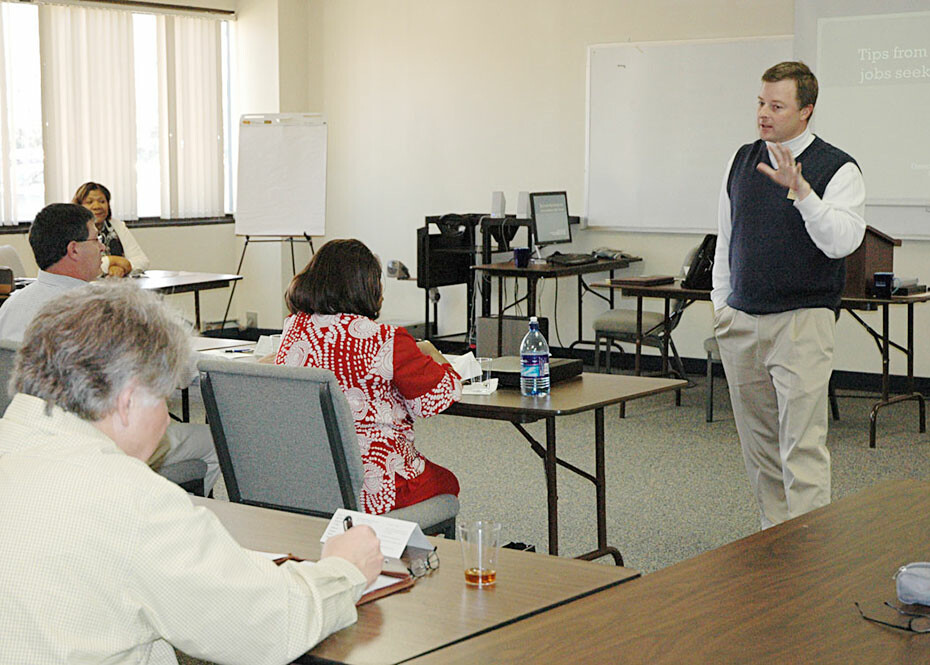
column 916, row 623
column 96, row 238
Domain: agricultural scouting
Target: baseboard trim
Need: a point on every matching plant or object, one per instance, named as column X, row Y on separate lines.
column 842, row 379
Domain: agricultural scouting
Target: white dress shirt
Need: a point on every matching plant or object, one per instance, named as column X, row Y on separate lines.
column 105, row 561
column 132, row 250
column 835, row 223
column 23, row 305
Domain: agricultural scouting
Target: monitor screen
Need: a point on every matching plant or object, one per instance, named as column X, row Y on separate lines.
column 549, row 211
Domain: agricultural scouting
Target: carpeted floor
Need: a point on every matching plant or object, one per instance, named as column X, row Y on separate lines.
column 676, row 485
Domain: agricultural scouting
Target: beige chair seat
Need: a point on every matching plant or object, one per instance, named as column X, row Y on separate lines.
column 619, row 321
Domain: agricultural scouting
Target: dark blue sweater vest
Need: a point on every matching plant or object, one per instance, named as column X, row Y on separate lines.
column 774, row 264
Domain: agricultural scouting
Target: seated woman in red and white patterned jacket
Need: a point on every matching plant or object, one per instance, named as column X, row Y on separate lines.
column 388, row 378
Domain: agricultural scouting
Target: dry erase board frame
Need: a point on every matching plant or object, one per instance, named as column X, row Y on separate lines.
column 663, row 120
column 282, row 175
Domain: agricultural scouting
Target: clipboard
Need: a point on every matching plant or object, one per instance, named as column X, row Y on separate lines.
column 388, row 582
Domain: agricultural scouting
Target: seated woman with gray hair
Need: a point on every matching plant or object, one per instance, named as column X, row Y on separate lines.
column 103, row 559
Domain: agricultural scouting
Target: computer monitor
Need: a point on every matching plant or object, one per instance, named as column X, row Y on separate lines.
column 549, row 211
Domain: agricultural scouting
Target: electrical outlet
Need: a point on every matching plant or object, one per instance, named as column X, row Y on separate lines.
column 251, row 319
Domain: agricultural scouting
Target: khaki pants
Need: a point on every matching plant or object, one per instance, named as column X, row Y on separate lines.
column 184, row 441
column 778, row 369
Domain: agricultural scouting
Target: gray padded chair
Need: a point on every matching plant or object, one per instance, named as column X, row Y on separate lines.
column 286, row 439
column 189, row 474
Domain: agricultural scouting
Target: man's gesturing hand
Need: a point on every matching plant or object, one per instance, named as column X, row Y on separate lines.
column 788, row 173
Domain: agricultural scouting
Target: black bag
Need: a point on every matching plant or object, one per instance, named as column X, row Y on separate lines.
column 702, row 265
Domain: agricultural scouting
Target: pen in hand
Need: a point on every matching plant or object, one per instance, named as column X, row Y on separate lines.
column 238, row 350
column 347, row 523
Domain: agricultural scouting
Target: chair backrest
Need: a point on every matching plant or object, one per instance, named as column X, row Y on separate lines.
column 8, row 349
column 9, row 257
column 679, row 305
column 285, row 436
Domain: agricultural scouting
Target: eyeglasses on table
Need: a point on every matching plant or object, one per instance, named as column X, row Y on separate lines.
column 916, row 623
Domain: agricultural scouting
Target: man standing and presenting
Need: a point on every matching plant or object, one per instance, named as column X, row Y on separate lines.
column 779, row 273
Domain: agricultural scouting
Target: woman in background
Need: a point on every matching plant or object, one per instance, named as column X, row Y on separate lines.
column 388, row 378
column 117, row 239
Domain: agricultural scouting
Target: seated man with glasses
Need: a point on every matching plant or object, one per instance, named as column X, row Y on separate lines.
column 67, row 250
column 104, row 561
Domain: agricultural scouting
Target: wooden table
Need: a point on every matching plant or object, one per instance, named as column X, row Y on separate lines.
column 440, row 610
column 201, row 344
column 181, row 281
column 882, row 339
column 588, row 392
column 532, row 274
column 784, row 595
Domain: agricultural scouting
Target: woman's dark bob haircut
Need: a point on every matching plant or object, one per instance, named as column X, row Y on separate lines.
column 343, row 277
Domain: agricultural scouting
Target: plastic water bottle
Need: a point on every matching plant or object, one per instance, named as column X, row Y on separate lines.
column 534, row 362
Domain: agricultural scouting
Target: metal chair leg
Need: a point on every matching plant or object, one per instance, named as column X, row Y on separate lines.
column 709, row 390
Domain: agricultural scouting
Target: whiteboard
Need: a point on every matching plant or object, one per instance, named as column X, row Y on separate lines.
column 664, row 118
column 282, row 175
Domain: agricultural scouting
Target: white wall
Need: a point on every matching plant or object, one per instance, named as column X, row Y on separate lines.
column 264, row 78
column 433, row 104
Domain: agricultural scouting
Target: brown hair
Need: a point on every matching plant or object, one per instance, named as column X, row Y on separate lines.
column 803, row 77
column 343, row 277
column 89, row 187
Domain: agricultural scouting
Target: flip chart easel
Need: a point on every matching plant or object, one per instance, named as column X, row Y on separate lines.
column 281, row 181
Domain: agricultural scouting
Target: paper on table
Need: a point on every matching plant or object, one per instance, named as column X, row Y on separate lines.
column 394, row 534
column 478, row 389
column 466, row 366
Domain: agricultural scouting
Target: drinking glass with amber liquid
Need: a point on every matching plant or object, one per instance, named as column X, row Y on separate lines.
column 480, row 543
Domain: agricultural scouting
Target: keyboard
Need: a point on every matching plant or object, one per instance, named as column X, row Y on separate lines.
column 560, row 259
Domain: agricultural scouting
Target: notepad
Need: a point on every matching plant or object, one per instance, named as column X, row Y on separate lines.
column 387, row 582
column 395, row 535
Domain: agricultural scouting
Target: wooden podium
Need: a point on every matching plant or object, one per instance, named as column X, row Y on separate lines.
column 875, row 254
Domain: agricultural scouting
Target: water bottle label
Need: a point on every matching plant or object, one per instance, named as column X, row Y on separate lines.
column 533, row 366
